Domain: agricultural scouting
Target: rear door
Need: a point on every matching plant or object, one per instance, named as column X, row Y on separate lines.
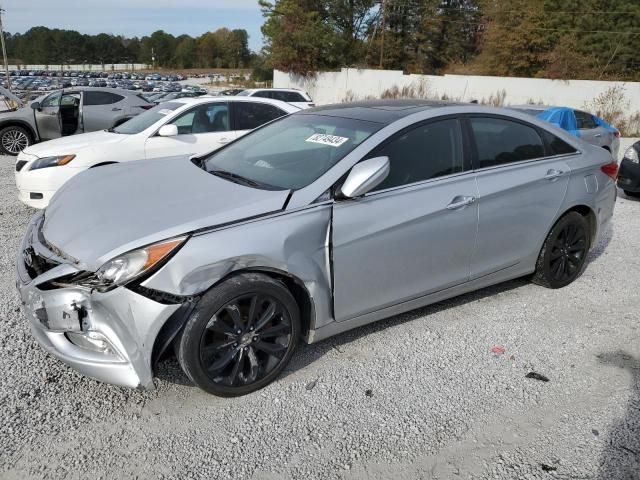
column 48, row 117
column 101, row 109
column 249, row 115
column 521, row 189
column 413, row 234
column 201, row 129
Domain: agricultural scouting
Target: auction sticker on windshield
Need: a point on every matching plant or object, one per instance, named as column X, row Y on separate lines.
column 325, row 139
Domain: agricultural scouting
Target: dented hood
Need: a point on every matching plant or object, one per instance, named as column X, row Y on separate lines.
column 106, row 211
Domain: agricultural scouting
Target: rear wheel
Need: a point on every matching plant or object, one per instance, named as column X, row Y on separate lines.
column 564, row 252
column 14, row 139
column 240, row 336
column 631, row 194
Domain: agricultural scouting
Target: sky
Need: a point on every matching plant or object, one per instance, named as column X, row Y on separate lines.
column 135, row 17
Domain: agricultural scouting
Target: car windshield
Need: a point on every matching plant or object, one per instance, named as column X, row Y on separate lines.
column 290, row 153
column 244, row 93
column 143, row 121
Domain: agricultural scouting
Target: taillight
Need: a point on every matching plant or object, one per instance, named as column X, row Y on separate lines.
column 610, row 169
column 616, row 134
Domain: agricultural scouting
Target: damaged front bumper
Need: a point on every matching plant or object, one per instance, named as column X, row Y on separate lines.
column 107, row 336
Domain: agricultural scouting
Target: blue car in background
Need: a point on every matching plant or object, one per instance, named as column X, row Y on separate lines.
column 586, row 126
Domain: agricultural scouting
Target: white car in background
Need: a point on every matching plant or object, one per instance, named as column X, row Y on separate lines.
column 290, row 95
column 184, row 127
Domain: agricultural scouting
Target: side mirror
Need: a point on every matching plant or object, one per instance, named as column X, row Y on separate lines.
column 168, row 131
column 36, row 105
column 364, row 176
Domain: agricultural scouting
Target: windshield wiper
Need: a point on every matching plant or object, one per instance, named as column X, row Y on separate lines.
column 234, row 177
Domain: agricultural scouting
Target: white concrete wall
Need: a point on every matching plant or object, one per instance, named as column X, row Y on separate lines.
column 107, row 67
column 354, row 84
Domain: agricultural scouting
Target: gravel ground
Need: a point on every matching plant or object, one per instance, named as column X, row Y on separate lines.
column 420, row 395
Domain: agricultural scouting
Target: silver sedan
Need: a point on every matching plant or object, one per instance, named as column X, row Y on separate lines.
column 312, row 225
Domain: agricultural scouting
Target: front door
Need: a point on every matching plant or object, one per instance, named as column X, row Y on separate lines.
column 520, row 189
column 415, row 233
column 48, row 117
column 202, row 129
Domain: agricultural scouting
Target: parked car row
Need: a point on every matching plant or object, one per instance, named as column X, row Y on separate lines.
column 229, row 251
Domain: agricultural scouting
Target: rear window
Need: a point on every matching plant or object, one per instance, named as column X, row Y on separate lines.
column 100, row 98
column 143, row 121
column 556, row 145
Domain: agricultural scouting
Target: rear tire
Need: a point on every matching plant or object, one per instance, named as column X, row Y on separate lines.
column 240, row 336
column 631, row 194
column 14, row 139
column 564, row 252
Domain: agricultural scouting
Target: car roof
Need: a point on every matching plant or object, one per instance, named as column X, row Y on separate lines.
column 120, row 91
column 541, row 108
column 273, row 89
column 231, row 98
column 379, row 111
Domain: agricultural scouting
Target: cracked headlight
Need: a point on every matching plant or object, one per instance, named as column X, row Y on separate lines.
column 46, row 162
column 130, row 265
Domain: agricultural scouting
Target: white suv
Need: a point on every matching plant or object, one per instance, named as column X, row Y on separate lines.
column 290, row 95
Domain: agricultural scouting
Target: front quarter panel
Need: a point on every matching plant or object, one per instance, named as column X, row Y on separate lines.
column 295, row 243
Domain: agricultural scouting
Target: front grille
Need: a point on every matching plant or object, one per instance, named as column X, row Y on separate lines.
column 35, row 264
column 20, row 164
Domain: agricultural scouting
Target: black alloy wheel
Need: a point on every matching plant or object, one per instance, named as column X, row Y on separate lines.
column 564, row 253
column 240, row 336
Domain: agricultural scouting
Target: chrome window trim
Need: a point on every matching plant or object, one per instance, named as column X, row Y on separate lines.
column 531, row 160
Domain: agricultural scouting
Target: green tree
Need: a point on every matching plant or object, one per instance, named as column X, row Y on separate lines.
column 298, row 37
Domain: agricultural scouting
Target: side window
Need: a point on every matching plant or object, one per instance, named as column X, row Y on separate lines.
column 101, row 98
column 70, row 100
column 585, row 120
column 249, row 115
column 208, row 118
column 52, row 100
column 263, row 94
column 502, row 141
column 293, row 97
column 428, row 151
column 556, row 145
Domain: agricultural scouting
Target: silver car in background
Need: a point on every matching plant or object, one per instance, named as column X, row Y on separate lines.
column 312, row 225
column 67, row 112
column 588, row 127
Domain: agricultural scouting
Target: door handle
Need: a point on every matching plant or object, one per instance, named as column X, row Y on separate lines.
column 116, row 109
column 553, row 174
column 224, row 140
column 460, row 201
column 598, row 135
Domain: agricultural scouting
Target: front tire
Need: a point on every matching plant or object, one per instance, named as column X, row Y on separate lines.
column 564, row 252
column 14, row 139
column 240, row 336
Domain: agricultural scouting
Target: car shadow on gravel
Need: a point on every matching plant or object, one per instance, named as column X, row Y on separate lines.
column 169, row 370
column 601, row 246
column 308, row 354
column 621, row 457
